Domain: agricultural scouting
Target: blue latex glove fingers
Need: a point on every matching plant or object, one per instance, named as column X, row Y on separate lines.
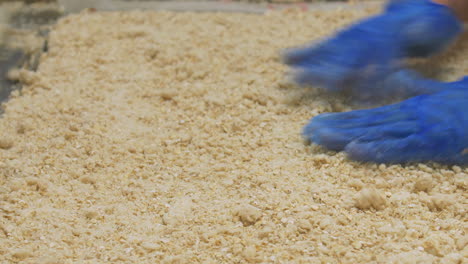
column 336, row 130
column 395, row 84
column 334, row 79
column 421, row 146
column 431, row 28
column 369, row 50
column 424, row 128
column 414, row 148
column 336, row 62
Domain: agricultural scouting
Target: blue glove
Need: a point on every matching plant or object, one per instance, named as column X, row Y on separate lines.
column 392, row 84
column 375, row 47
column 423, row 128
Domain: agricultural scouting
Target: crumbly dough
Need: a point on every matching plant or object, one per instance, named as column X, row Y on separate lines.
column 159, row 137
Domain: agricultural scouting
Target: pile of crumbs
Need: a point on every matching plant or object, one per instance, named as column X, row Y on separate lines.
column 159, row 137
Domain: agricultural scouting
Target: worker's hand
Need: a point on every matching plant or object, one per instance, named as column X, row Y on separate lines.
column 423, row 128
column 390, row 84
column 375, row 47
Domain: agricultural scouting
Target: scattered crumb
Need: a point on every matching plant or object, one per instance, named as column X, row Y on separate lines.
column 21, row 254
column 91, row 213
column 248, row 214
column 439, row 202
column 6, row 143
column 179, row 211
column 88, row 180
column 150, row 247
column 14, row 75
column 370, row 198
column 423, row 184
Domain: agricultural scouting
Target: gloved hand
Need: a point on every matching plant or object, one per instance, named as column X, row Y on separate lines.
column 391, row 85
column 374, row 47
column 423, row 128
